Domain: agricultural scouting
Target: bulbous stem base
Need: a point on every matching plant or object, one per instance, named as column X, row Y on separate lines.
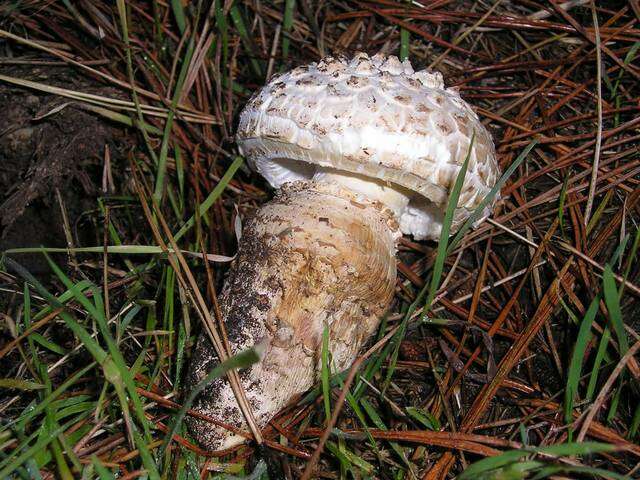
column 314, row 256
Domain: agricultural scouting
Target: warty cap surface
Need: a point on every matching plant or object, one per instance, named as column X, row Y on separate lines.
column 376, row 117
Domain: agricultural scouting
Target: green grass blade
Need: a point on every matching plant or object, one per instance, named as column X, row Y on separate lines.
column 492, row 463
column 575, row 366
column 612, row 301
column 353, row 403
column 223, row 34
column 431, row 288
column 631, row 54
column 600, row 356
column 578, row 448
column 486, row 465
column 377, row 421
column 590, row 471
column 477, row 213
column 615, row 401
column 168, row 126
column 55, row 446
column 180, row 177
column 103, row 472
column 212, row 197
column 562, row 201
column 48, row 344
column 90, row 344
column 597, row 214
column 241, row 28
column 178, row 14
column 635, row 423
column 630, row 259
column 11, row 463
column 122, row 372
column 405, row 39
column 287, row 24
column 121, row 118
column 424, row 418
column 442, row 251
column 29, row 413
column 145, row 455
column 351, row 459
column 15, row 384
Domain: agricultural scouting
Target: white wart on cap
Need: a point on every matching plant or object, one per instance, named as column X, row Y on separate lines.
column 378, row 119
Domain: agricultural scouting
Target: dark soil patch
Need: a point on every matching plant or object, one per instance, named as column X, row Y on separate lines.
column 52, row 155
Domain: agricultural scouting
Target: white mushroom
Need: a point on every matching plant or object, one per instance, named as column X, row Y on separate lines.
column 361, row 151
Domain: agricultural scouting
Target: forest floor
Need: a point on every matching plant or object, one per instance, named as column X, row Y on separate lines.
column 524, row 365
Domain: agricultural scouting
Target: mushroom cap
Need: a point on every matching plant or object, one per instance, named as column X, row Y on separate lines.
column 378, row 118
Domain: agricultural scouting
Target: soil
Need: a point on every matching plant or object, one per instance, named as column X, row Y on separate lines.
column 52, row 154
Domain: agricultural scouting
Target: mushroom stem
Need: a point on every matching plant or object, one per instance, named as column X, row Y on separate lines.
column 317, row 255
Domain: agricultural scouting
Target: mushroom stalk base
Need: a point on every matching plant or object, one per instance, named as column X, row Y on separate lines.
column 316, row 255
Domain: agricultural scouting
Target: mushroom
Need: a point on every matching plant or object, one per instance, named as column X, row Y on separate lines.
column 360, row 151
